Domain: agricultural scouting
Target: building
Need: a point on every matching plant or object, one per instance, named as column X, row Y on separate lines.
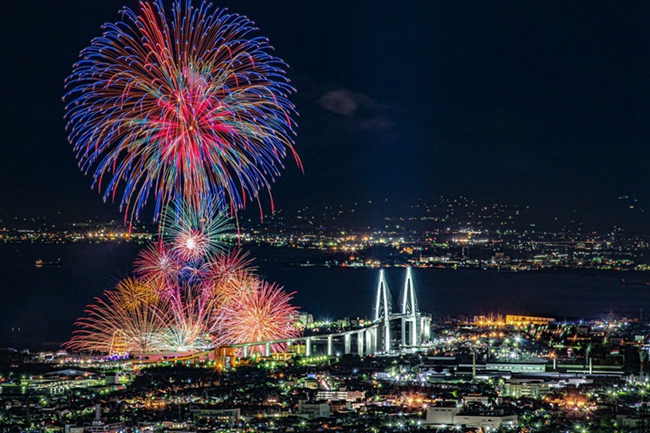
column 177, row 427
column 448, row 415
column 101, row 427
column 486, row 421
column 517, row 367
column 340, row 395
column 219, row 416
column 526, row 388
column 476, row 398
column 442, row 415
column 313, row 410
column 513, row 320
column 225, row 357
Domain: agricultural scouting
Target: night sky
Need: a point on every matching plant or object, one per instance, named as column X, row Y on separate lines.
column 540, row 103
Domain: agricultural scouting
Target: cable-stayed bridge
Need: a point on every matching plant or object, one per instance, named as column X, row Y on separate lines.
column 405, row 329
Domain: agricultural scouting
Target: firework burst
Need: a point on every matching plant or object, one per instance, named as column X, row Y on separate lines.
column 227, row 275
column 260, row 313
column 180, row 105
column 130, row 320
column 159, row 266
column 138, row 317
column 195, row 234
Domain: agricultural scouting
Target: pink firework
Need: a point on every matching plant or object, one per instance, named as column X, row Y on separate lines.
column 159, row 265
column 261, row 313
column 227, row 274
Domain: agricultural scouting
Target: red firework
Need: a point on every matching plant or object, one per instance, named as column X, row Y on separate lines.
column 159, row 265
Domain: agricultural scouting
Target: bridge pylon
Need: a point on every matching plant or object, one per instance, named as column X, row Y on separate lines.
column 411, row 326
column 409, row 301
column 383, row 311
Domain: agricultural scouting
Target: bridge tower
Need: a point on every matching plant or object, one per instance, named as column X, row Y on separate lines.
column 383, row 310
column 410, row 313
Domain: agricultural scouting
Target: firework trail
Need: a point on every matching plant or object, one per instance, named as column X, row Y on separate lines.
column 180, row 106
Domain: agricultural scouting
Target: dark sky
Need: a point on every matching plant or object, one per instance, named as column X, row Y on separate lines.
column 542, row 103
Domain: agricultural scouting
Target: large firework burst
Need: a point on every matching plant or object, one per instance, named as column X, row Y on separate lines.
column 181, row 105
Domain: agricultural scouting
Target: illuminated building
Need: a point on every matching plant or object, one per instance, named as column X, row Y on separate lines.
column 513, row 320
